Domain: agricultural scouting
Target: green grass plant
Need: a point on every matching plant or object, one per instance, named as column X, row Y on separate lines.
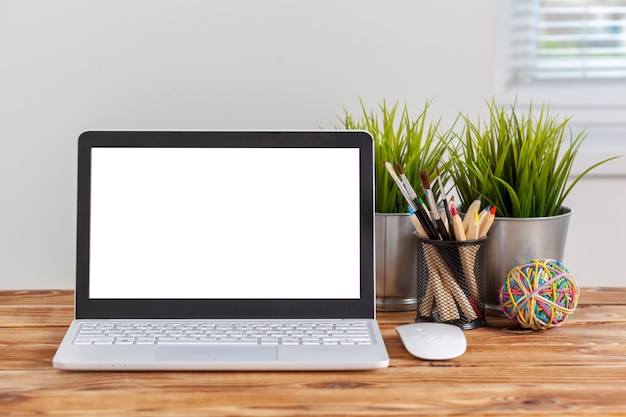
column 412, row 142
column 519, row 161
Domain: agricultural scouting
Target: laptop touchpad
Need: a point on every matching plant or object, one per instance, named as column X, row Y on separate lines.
column 216, row 353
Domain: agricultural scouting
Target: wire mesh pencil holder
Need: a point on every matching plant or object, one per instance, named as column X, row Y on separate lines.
column 451, row 282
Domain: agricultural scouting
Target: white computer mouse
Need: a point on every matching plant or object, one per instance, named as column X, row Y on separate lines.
column 433, row 341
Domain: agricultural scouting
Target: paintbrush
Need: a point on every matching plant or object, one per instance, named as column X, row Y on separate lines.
column 446, row 208
column 434, row 212
column 407, row 184
column 421, row 214
column 400, row 184
column 411, row 197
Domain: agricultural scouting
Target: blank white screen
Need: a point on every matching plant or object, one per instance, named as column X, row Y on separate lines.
column 224, row 223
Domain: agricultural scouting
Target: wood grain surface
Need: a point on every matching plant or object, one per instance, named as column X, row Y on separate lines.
column 576, row 369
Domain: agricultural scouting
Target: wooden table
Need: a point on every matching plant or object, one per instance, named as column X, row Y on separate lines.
column 578, row 368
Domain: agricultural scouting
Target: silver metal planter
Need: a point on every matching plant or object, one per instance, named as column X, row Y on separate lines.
column 515, row 241
column 396, row 263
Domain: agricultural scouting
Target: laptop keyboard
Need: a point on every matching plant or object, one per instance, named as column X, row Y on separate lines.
column 223, row 333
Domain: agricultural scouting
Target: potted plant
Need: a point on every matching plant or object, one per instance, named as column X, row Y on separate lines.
column 411, row 144
column 520, row 162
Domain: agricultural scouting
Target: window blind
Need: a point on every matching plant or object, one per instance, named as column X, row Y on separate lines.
column 568, row 40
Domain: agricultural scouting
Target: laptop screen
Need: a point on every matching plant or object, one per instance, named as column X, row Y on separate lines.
column 223, row 224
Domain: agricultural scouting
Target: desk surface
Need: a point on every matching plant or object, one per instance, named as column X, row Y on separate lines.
column 578, row 368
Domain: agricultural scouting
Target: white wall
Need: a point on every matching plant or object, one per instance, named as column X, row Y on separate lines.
column 71, row 65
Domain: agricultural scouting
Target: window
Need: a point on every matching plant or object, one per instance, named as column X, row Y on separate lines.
column 570, row 54
column 569, row 40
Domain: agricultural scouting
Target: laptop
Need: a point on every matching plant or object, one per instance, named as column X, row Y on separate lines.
column 224, row 250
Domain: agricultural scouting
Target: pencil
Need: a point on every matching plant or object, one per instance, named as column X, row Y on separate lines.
column 457, row 224
column 469, row 216
column 487, row 222
column 472, row 232
column 483, row 213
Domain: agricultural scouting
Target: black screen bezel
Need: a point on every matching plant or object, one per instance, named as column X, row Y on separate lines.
column 364, row 307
